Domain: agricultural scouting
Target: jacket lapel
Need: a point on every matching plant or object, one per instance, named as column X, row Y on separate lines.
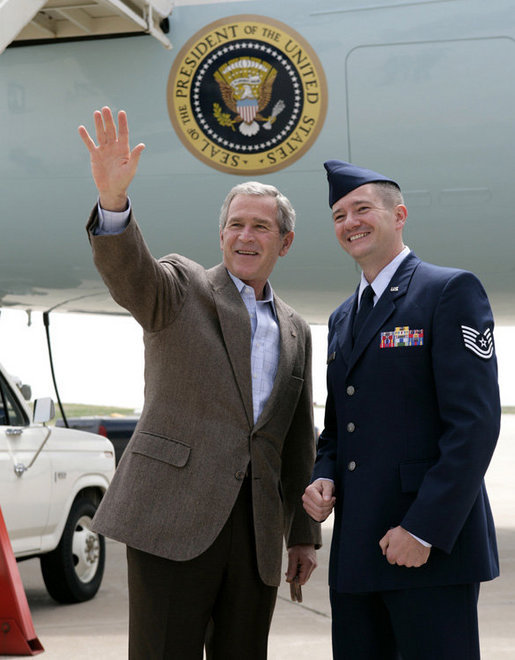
column 384, row 308
column 343, row 325
column 235, row 326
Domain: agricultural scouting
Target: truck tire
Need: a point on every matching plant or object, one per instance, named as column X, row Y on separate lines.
column 73, row 571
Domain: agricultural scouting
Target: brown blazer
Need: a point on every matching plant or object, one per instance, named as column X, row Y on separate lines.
column 181, row 473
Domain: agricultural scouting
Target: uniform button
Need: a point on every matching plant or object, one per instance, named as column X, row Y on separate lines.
column 240, row 475
column 351, row 466
column 350, row 390
column 351, row 427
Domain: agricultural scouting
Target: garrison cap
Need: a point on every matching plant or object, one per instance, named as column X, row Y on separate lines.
column 345, row 177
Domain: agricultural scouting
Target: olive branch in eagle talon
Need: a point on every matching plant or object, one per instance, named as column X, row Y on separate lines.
column 223, row 118
column 246, row 87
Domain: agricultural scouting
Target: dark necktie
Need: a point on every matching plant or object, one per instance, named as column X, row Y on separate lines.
column 366, row 304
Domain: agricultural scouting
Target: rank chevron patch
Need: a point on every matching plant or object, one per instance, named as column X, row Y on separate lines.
column 479, row 343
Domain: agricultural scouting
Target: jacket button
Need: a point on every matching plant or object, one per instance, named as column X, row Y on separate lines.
column 240, row 475
column 351, row 427
column 350, row 390
column 351, row 466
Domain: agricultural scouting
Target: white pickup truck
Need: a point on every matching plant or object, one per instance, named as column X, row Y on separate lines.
column 51, row 482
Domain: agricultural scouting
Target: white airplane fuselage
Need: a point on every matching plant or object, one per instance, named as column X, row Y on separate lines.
column 420, row 91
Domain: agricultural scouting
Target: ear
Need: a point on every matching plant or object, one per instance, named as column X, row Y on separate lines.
column 287, row 240
column 401, row 213
column 221, row 240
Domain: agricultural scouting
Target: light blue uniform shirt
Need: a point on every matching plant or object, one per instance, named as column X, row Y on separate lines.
column 383, row 278
column 265, row 338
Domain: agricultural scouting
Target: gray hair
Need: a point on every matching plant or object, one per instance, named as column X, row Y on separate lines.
column 390, row 193
column 285, row 211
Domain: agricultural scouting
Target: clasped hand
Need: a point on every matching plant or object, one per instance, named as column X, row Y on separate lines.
column 318, row 499
column 401, row 548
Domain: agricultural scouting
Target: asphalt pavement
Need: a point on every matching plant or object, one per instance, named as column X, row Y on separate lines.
column 98, row 628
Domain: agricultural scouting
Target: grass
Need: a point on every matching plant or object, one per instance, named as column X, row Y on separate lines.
column 86, row 410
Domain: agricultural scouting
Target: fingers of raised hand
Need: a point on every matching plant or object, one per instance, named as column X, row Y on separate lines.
column 110, row 126
column 123, row 125
column 86, row 138
column 136, row 152
column 99, row 128
column 105, row 126
column 108, row 136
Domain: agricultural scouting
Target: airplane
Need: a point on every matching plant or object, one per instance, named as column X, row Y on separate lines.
column 223, row 92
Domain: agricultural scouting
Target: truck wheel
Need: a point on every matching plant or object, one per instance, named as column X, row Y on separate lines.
column 74, row 570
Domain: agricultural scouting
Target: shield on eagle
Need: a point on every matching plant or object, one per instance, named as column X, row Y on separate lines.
column 246, row 87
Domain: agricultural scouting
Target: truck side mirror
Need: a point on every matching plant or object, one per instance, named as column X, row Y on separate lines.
column 44, row 410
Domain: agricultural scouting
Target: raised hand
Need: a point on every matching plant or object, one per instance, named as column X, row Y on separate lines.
column 113, row 164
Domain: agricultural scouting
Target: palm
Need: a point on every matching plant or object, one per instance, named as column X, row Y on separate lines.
column 112, row 166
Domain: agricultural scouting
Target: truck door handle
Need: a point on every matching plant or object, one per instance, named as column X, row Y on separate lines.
column 13, row 431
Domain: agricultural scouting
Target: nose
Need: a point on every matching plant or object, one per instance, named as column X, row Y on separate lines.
column 246, row 233
column 351, row 220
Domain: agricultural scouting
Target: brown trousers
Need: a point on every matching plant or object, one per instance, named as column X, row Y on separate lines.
column 216, row 600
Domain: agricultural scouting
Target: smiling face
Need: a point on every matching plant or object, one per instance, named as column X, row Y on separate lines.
column 369, row 227
column 250, row 240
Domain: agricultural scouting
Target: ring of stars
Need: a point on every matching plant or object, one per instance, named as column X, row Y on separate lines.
column 262, row 49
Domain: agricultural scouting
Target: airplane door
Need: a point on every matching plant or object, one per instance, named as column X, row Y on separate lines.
column 24, row 499
column 433, row 116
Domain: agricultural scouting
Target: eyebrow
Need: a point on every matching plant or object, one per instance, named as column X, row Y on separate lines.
column 254, row 219
column 357, row 202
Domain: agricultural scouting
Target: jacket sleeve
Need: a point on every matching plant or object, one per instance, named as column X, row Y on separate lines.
column 152, row 290
column 297, row 462
column 325, row 465
column 465, row 376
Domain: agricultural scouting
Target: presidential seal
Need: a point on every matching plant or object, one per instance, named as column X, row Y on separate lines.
column 247, row 95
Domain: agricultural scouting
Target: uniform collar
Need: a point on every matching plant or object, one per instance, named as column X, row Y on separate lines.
column 384, row 276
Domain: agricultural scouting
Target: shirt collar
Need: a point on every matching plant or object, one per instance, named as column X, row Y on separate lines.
column 384, row 276
column 268, row 293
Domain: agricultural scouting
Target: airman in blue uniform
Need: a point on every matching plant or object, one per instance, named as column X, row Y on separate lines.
column 412, row 419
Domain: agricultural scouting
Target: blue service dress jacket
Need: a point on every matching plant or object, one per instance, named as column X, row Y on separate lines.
column 412, row 419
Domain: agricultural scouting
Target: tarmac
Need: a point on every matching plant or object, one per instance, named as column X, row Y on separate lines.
column 98, row 628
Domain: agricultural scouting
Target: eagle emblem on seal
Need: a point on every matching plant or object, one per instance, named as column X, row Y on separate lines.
column 246, row 85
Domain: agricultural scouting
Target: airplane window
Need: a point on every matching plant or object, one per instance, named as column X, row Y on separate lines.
column 11, row 414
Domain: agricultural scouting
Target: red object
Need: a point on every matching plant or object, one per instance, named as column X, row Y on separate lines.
column 17, row 634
